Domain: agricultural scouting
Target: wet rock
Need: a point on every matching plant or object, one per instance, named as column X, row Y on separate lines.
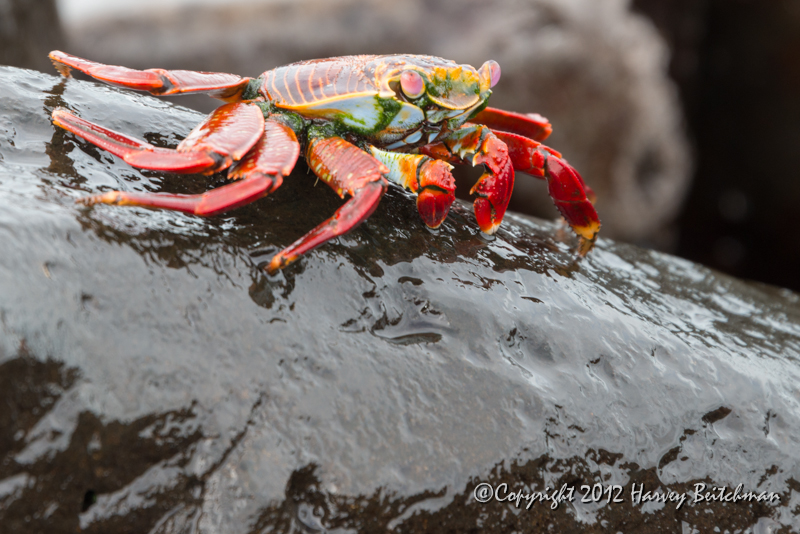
column 154, row 379
column 595, row 69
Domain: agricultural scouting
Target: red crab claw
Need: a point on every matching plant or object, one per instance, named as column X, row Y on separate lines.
column 568, row 191
column 571, row 195
column 429, row 178
column 436, row 192
column 494, row 188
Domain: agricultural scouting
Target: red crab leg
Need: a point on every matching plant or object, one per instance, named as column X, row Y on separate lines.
column 259, row 173
column 224, row 137
column 571, row 195
column 532, row 125
column 429, row 178
column 220, row 85
column 495, row 185
column 346, row 169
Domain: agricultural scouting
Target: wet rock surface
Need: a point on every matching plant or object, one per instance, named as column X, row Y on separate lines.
column 154, row 379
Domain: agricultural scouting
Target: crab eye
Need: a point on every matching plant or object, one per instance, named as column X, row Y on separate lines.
column 412, row 84
column 491, row 69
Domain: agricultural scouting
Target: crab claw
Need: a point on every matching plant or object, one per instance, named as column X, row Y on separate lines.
column 568, row 191
column 436, row 192
column 429, row 178
column 494, row 187
column 571, row 195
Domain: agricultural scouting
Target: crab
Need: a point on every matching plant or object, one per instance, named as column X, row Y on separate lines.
column 361, row 121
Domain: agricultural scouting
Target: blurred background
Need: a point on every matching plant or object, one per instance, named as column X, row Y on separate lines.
column 683, row 115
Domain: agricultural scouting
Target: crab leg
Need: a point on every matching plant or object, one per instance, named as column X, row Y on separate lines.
column 224, row 137
column 429, row 178
column 531, row 125
column 346, row 169
column 259, row 173
column 227, row 87
column 495, row 185
column 571, row 195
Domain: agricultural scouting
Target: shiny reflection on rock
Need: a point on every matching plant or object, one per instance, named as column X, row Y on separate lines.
column 155, row 379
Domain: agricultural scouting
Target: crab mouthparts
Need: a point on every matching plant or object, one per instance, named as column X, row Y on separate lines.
column 435, row 116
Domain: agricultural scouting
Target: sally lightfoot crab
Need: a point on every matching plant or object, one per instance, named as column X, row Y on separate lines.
column 360, row 121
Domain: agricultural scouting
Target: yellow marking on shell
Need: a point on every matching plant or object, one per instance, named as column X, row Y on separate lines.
column 463, row 87
column 485, row 80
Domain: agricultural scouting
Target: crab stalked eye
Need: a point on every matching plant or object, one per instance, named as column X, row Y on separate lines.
column 412, row 84
column 491, row 70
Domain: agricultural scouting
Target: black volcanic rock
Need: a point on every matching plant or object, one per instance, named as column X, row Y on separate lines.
column 154, row 379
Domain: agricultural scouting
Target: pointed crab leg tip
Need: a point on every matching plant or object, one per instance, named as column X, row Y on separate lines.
column 111, row 197
column 64, row 118
column 585, row 246
column 56, row 58
column 277, row 263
